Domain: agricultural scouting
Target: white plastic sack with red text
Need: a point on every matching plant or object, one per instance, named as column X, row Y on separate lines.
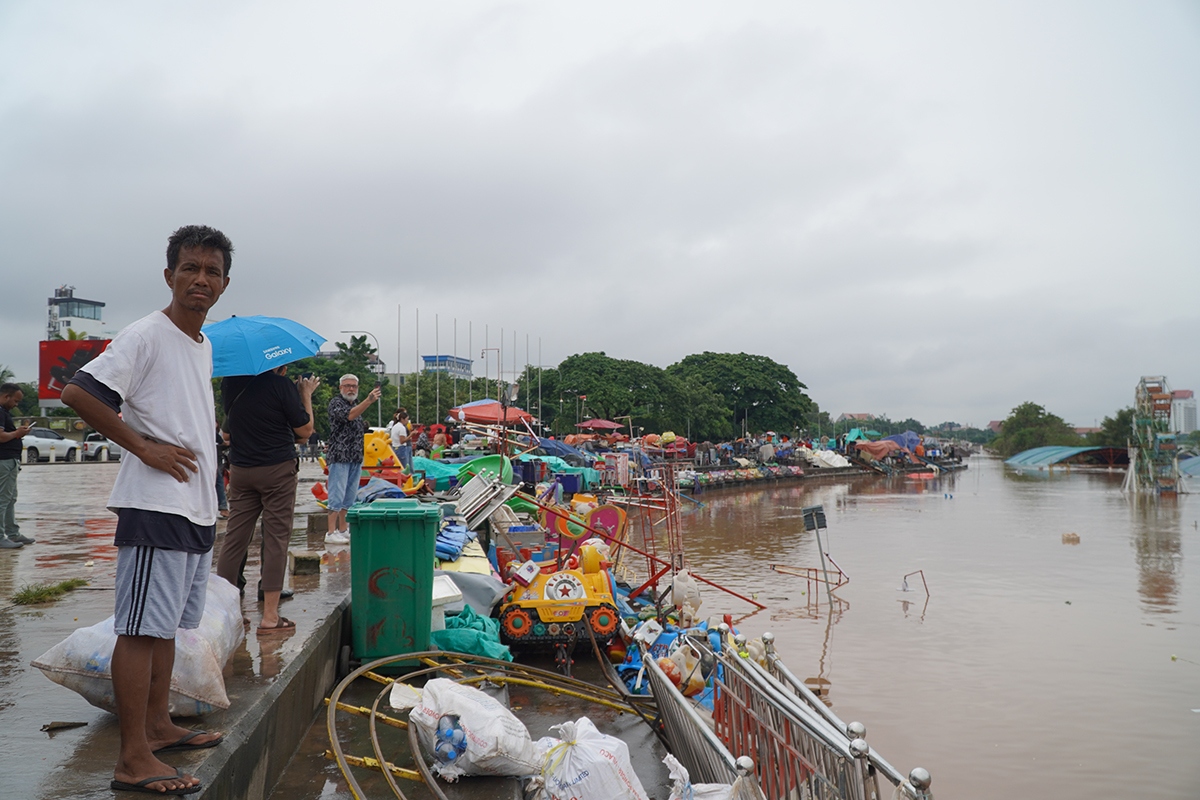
column 585, row 764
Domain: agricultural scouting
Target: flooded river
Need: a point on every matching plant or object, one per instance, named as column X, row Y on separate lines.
column 1037, row 668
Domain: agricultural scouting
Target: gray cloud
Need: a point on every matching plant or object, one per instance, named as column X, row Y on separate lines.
column 924, row 212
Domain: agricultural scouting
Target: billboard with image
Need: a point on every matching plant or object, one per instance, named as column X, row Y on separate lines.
column 59, row 360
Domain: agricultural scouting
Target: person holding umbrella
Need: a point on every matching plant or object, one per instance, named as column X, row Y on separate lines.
column 265, row 414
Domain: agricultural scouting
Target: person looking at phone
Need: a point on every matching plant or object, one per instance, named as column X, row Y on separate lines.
column 150, row 391
column 344, row 453
column 11, row 434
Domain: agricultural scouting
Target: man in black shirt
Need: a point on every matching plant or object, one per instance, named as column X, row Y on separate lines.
column 265, row 416
column 10, row 464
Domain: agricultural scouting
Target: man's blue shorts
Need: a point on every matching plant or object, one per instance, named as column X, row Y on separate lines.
column 342, row 485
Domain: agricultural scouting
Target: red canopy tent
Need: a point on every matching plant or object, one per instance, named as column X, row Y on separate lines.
column 599, row 425
column 490, row 414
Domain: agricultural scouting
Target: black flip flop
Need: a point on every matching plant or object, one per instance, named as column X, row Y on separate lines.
column 144, row 786
column 183, row 744
column 284, row 624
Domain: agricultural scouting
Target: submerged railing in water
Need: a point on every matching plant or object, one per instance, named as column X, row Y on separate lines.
column 799, row 748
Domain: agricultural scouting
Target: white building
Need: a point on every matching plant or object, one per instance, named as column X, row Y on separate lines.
column 453, row 366
column 68, row 311
column 1183, row 411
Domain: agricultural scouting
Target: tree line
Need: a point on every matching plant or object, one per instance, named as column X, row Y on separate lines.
column 1030, row 425
column 715, row 396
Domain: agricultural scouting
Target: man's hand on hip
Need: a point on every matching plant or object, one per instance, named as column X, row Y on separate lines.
column 169, row 458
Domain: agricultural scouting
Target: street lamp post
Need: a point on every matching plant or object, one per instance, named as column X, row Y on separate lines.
column 379, row 402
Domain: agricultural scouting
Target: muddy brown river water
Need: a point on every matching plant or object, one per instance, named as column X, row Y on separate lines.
column 1037, row 668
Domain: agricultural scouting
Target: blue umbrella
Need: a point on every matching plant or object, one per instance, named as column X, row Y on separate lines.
column 250, row 345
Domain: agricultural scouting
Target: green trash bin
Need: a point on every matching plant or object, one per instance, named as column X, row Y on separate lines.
column 391, row 577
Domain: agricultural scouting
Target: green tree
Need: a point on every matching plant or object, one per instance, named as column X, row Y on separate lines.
column 602, row 386
column 75, row 336
column 1030, row 425
column 6, row 374
column 1114, row 431
column 763, row 394
column 697, row 410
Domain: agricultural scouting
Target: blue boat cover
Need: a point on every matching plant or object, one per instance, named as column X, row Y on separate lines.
column 908, row 440
column 572, row 455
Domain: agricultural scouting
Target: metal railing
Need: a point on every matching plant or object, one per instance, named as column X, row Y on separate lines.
column 798, row 746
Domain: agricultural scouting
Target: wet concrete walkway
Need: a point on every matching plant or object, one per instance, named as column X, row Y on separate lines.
column 274, row 683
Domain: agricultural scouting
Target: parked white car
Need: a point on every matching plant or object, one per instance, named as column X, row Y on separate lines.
column 96, row 447
column 39, row 443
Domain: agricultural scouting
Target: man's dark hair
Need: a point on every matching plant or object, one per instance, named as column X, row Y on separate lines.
column 7, row 389
column 198, row 236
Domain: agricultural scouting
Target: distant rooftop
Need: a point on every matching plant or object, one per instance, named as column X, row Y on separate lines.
column 1182, row 394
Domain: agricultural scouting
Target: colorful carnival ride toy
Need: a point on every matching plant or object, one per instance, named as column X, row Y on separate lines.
column 557, row 608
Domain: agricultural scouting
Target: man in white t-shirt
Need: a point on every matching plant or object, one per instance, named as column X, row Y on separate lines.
column 150, row 391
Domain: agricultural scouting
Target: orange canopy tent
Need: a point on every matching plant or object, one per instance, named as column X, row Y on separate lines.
column 490, row 414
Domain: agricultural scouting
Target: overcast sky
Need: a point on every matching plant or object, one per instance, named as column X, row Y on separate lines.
column 937, row 210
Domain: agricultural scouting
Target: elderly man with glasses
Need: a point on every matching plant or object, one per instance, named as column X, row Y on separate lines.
column 344, row 453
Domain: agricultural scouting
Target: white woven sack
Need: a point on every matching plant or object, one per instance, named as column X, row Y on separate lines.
column 82, row 661
column 585, row 764
column 497, row 742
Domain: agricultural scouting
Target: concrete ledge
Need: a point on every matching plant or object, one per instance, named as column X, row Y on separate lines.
column 261, row 741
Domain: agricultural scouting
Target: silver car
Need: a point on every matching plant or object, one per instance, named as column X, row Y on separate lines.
column 98, row 448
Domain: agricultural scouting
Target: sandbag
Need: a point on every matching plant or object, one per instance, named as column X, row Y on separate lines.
column 585, row 764
column 497, row 743
column 82, row 661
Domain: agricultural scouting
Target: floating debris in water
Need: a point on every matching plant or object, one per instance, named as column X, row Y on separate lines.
column 1070, row 538
column 51, row 727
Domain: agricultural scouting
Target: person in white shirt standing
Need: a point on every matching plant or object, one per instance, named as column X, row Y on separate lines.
column 150, row 391
column 398, row 431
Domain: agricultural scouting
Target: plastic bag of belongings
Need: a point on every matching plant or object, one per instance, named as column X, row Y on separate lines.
column 471, row 733
column 585, row 764
column 743, row 788
column 82, row 661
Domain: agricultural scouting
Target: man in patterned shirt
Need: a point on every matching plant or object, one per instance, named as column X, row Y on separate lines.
column 344, row 454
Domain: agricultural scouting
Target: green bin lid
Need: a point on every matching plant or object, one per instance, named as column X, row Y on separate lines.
column 394, row 507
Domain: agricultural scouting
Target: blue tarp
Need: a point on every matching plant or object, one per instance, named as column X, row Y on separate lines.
column 572, row 455
column 908, row 440
column 1190, row 466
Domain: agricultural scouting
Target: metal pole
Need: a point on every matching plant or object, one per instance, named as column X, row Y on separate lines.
column 397, row 355
column 540, row 384
column 455, row 373
column 417, row 344
column 821, row 552
column 471, row 349
column 437, row 374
